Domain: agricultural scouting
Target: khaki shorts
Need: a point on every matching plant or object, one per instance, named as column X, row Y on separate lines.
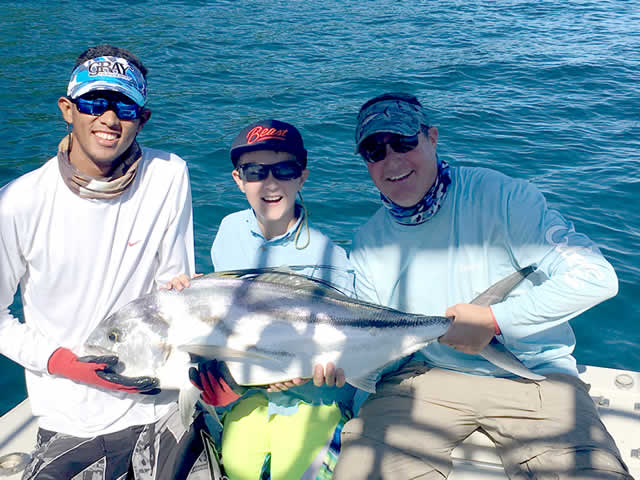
column 408, row 429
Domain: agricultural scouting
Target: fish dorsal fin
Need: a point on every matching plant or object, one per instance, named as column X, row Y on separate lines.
column 286, row 275
column 499, row 290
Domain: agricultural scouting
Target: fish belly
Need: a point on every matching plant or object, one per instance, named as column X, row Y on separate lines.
column 294, row 353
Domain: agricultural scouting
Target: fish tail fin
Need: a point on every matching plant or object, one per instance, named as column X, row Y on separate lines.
column 499, row 290
column 500, row 356
column 496, row 352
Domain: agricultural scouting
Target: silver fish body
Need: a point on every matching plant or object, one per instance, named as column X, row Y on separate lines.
column 276, row 325
column 272, row 326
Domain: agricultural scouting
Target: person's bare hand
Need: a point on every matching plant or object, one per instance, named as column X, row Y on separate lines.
column 284, row 386
column 329, row 375
column 472, row 329
column 180, row 282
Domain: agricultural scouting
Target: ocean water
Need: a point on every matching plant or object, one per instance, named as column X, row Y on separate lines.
column 546, row 90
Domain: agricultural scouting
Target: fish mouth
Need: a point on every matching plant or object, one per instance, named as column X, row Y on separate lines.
column 97, row 350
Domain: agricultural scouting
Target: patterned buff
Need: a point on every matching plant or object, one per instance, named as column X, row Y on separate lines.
column 430, row 203
column 102, row 187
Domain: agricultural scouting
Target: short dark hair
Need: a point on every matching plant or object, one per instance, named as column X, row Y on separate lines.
column 110, row 51
column 404, row 97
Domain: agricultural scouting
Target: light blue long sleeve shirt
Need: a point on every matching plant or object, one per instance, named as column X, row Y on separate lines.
column 489, row 225
column 240, row 244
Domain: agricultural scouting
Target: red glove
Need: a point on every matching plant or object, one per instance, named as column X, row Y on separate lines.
column 97, row 371
column 218, row 386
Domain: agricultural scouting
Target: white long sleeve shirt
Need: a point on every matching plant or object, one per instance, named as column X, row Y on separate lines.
column 76, row 260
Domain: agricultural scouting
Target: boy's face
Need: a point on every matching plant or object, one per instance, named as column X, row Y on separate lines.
column 272, row 200
column 99, row 141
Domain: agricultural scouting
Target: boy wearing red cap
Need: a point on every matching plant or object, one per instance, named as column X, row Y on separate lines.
column 289, row 434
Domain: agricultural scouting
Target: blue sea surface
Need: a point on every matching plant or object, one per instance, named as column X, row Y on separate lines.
column 547, row 91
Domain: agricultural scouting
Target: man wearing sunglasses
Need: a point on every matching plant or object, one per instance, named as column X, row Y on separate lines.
column 443, row 235
column 98, row 225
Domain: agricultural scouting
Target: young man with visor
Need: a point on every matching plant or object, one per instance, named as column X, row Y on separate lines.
column 443, row 235
column 98, row 225
column 287, row 431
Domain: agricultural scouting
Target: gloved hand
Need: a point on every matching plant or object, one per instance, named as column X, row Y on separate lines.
column 98, row 371
column 219, row 389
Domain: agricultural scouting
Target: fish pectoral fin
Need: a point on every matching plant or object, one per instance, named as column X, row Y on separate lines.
column 211, row 410
column 187, row 399
column 216, row 352
column 366, row 382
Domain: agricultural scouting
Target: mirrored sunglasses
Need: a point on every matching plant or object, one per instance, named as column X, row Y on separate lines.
column 254, row 172
column 124, row 110
column 374, row 148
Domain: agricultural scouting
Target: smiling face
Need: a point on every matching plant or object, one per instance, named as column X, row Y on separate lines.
column 272, row 200
column 99, row 141
column 405, row 178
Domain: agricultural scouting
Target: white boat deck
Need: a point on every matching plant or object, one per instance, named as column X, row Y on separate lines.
column 616, row 392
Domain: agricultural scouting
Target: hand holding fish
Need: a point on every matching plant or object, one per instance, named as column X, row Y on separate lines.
column 219, row 389
column 284, row 386
column 97, row 371
column 217, row 386
column 180, row 282
column 472, row 329
column 329, row 375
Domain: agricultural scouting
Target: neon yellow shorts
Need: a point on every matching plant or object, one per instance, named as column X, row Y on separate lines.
column 294, row 441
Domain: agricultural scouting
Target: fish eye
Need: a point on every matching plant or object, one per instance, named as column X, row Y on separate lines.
column 114, row 335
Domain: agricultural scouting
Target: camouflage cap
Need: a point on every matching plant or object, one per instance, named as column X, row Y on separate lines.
column 398, row 113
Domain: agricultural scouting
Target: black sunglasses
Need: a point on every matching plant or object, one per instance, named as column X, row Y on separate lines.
column 374, row 148
column 254, row 172
column 96, row 105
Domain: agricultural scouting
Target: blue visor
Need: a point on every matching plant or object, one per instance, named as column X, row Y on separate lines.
column 108, row 73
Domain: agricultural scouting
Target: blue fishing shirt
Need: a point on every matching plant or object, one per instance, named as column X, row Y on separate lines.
column 489, row 225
